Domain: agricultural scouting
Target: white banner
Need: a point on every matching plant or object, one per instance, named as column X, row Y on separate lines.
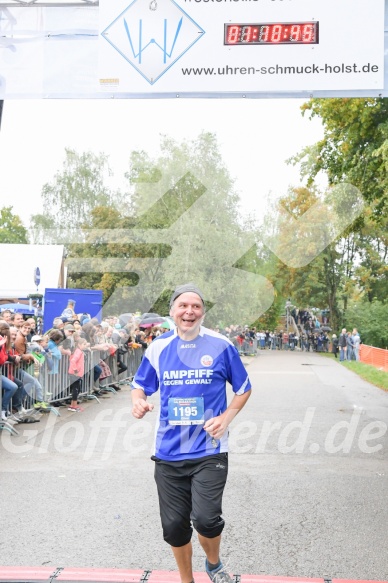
column 241, row 45
column 194, row 48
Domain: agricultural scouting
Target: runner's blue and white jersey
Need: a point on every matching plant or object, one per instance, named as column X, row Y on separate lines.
column 191, row 376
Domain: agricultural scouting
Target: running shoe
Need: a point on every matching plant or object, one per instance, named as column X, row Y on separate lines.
column 75, row 409
column 41, row 405
column 218, row 575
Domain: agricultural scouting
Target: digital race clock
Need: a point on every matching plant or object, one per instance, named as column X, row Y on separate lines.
column 291, row 33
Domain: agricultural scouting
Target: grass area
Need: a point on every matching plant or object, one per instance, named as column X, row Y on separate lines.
column 365, row 371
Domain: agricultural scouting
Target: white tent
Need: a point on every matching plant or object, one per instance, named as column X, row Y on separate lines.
column 22, row 260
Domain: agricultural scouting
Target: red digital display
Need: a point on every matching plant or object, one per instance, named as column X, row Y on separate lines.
column 290, row 33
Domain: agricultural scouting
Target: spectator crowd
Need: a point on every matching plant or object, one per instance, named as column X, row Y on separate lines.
column 85, row 348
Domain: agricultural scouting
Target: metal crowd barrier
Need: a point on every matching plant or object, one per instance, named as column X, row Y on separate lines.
column 57, row 386
column 246, row 348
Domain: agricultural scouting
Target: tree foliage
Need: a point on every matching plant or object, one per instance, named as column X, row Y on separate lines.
column 12, row 229
column 75, row 191
column 354, row 148
column 181, row 224
column 351, row 273
column 371, row 320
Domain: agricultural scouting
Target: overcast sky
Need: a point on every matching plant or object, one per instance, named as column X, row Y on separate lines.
column 256, row 137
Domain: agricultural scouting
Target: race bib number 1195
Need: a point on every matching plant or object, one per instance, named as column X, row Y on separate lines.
column 188, row 411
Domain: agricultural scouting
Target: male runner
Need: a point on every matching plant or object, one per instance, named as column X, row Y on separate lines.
column 191, row 365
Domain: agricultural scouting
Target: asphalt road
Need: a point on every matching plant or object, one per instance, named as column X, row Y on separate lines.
column 306, row 494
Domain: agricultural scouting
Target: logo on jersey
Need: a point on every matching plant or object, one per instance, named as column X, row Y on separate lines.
column 206, row 360
column 188, row 345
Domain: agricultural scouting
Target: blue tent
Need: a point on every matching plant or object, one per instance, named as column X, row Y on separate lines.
column 17, row 308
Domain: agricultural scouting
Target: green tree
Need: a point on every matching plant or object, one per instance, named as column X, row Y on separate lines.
column 372, row 271
column 324, row 276
column 12, row 229
column 371, row 320
column 181, row 223
column 70, row 198
column 186, row 199
column 354, row 148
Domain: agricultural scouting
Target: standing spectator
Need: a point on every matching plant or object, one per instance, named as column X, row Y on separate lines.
column 68, row 343
column 342, row 343
column 280, row 340
column 356, row 342
column 349, row 346
column 55, row 337
column 6, row 315
column 310, row 337
column 267, row 343
column 32, row 324
column 39, row 349
column 76, row 372
column 285, row 340
column 89, row 333
column 77, row 325
column 261, row 338
column 17, row 320
column 334, row 345
column 325, row 342
column 320, row 342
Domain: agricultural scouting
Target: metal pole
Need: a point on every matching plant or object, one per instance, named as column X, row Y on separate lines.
column 1, row 110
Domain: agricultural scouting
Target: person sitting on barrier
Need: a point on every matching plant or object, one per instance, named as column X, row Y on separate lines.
column 31, row 384
column 76, row 372
column 9, row 388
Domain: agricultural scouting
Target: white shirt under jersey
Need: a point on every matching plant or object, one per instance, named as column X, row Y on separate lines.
column 198, row 368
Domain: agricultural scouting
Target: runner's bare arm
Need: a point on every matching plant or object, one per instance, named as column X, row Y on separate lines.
column 139, row 403
column 216, row 426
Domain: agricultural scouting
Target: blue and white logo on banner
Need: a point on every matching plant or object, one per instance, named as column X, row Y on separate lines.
column 152, row 36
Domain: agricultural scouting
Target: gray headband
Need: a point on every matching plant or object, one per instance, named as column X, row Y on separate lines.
column 182, row 289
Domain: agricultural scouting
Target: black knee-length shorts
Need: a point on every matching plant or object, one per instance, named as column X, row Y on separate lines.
column 190, row 492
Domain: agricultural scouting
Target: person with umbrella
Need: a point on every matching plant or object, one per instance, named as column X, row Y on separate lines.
column 190, row 365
